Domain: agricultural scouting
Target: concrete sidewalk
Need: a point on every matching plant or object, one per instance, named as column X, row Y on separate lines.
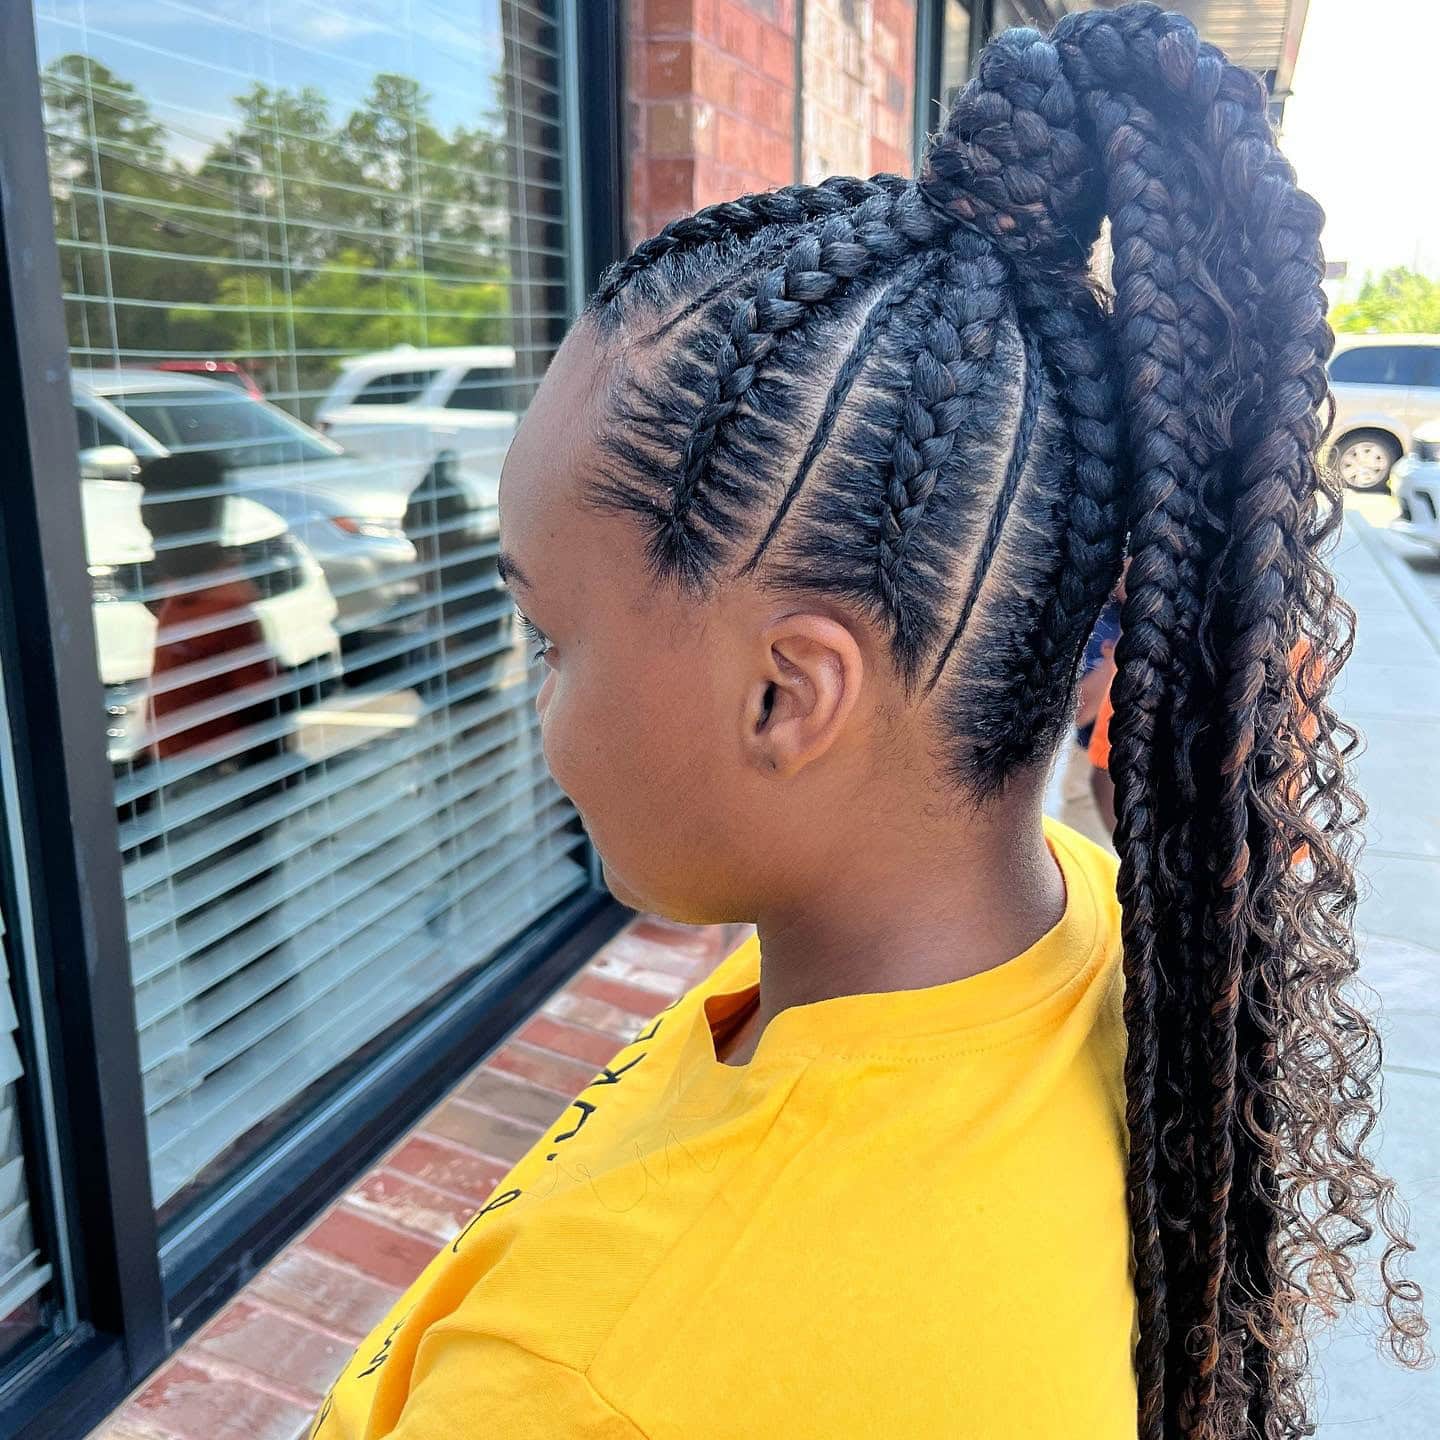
column 1391, row 691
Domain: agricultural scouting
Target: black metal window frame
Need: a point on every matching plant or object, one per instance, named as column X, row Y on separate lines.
column 138, row 1295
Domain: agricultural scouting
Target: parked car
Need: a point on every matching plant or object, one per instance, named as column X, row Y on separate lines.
column 295, row 610
column 372, row 525
column 410, row 403
column 1416, row 483
column 226, row 370
column 1384, row 386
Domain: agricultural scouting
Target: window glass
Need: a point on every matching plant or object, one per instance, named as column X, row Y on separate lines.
column 1378, row 365
column 397, row 387
column 216, row 419
column 27, row 1289
column 333, row 808
column 955, row 50
column 95, row 430
column 1427, row 366
column 482, row 389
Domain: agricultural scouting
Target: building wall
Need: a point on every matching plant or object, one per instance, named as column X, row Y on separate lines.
column 712, row 106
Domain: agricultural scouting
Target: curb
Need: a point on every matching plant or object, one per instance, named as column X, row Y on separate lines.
column 1397, row 572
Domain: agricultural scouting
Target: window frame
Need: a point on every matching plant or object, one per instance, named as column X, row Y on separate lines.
column 139, row 1295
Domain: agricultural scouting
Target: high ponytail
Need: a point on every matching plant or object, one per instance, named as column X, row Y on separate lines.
column 1251, row 1080
column 914, row 398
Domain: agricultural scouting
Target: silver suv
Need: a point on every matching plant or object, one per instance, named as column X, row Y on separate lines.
column 1384, row 386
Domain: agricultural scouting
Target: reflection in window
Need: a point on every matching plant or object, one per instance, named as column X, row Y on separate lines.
column 26, row 1297
column 399, row 388
column 332, row 801
column 954, row 50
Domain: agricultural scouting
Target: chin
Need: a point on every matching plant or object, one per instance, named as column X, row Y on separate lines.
column 619, row 889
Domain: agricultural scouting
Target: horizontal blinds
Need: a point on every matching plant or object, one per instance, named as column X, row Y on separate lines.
column 331, row 799
column 23, row 1270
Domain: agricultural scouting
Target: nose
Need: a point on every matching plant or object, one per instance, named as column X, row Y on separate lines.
column 542, row 695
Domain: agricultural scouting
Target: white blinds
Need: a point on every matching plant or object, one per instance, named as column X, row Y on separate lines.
column 23, row 1271
column 331, row 799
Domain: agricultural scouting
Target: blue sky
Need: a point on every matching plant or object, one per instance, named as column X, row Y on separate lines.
column 190, row 57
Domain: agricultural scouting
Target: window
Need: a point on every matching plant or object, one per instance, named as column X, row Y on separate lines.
column 400, row 387
column 482, row 389
column 95, row 430
column 333, row 808
column 238, row 430
column 1380, row 365
column 25, row 1274
column 954, row 51
column 1427, row 366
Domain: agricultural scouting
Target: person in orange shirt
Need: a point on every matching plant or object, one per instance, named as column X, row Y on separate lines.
column 809, row 523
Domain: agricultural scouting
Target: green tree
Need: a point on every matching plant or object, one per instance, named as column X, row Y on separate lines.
column 1400, row 300
column 122, row 210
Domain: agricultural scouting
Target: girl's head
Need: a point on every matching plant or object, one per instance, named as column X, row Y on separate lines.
column 816, row 509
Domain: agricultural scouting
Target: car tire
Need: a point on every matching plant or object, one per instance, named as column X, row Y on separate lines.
column 1362, row 459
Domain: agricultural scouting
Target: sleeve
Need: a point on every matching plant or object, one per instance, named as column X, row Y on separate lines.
column 472, row 1387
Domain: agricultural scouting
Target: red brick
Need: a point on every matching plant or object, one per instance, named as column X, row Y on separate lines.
column 131, row 1424
column 671, row 187
column 777, row 58
column 564, row 1039
column 648, row 977
column 552, row 1072
column 303, row 1283
column 570, row 1005
column 375, row 1250
column 276, row 1347
column 516, row 1099
column 669, row 70
column 738, row 32
column 672, row 17
column 449, row 1167
column 695, row 942
column 408, row 1204
column 630, row 998
column 194, row 1402
column 483, row 1132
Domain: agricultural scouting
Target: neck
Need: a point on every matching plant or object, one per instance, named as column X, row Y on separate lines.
column 948, row 901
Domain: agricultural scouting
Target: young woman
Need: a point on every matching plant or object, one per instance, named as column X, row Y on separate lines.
column 811, row 519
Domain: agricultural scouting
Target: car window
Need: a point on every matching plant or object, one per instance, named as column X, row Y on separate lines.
column 1428, row 357
column 1380, row 365
column 482, row 389
column 395, row 387
column 94, row 430
column 223, row 422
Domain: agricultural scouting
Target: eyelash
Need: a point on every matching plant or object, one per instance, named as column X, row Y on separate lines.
column 534, row 636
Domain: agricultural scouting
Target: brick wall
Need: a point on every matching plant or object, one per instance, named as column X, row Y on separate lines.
column 859, row 60
column 710, row 106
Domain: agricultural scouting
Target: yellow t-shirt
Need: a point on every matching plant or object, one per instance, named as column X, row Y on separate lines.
column 905, row 1216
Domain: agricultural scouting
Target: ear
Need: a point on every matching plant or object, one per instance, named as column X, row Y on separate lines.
column 804, row 692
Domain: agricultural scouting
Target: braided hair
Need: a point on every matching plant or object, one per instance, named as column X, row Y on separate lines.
column 914, row 397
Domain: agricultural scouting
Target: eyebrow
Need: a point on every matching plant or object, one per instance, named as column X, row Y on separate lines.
column 511, row 573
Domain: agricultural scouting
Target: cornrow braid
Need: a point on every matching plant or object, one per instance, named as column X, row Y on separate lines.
column 909, row 397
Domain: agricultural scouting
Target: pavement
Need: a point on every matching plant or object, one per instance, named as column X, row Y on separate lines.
column 1391, row 691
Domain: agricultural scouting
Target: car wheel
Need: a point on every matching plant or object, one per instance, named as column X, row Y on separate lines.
column 1362, row 459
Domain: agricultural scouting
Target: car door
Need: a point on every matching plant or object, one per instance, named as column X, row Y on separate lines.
column 1372, row 389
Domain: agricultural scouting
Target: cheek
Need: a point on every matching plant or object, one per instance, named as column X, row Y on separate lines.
column 635, row 765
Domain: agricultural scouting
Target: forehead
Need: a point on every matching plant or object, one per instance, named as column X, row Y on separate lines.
column 554, row 447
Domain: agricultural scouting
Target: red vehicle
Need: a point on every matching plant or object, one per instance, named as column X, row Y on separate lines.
column 226, row 370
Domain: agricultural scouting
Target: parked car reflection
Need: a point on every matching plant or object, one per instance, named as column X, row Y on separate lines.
column 410, row 403
column 293, row 609
column 395, row 538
